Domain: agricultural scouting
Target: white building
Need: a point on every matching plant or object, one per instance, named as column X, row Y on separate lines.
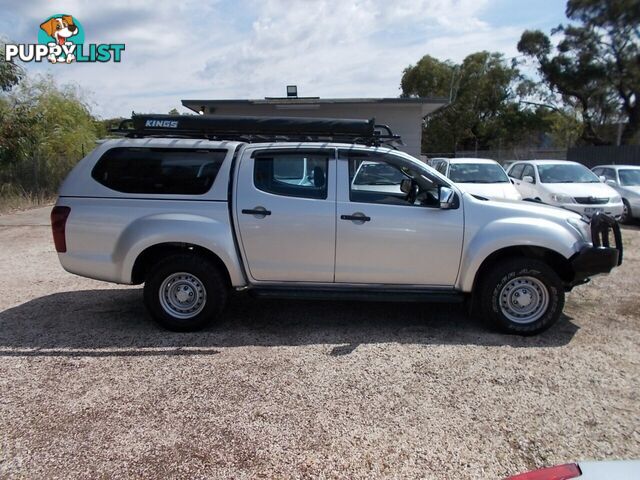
column 403, row 115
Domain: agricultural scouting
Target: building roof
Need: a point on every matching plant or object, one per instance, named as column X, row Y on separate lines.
column 196, row 104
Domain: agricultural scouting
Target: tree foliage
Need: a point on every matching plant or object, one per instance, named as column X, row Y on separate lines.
column 10, row 72
column 483, row 111
column 44, row 130
column 595, row 66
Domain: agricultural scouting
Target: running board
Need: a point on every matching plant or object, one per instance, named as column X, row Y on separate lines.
column 361, row 294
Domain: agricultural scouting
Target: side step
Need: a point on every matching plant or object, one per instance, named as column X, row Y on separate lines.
column 360, row 294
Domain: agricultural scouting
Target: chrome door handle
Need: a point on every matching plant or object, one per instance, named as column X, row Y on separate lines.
column 356, row 217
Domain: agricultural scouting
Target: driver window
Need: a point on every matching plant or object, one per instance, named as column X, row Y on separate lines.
column 528, row 171
column 385, row 180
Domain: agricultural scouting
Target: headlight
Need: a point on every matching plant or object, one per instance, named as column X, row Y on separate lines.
column 560, row 198
column 615, row 199
column 582, row 227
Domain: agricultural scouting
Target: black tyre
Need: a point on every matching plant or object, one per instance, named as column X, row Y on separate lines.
column 185, row 292
column 521, row 296
column 626, row 212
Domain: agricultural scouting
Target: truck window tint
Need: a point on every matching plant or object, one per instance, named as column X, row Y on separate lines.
column 292, row 174
column 159, row 171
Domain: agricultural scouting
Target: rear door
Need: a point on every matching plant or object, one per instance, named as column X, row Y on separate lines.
column 386, row 237
column 285, row 211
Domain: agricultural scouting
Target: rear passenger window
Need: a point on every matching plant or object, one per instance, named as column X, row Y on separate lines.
column 293, row 174
column 159, row 171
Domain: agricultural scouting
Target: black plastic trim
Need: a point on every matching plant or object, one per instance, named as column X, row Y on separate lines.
column 358, row 293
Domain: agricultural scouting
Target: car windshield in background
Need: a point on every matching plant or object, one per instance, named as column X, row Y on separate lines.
column 629, row 177
column 569, row 173
column 378, row 174
column 477, row 173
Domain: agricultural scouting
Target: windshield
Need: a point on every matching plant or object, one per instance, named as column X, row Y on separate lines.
column 629, row 178
column 477, row 173
column 566, row 173
column 378, row 174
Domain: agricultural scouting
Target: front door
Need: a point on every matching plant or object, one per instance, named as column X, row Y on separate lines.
column 285, row 209
column 386, row 236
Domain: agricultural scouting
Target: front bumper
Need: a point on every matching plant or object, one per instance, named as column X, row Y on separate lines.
column 602, row 256
column 612, row 209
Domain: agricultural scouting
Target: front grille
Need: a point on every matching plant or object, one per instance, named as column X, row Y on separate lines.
column 592, row 200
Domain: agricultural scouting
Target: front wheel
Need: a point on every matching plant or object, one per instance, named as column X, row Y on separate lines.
column 626, row 212
column 521, row 296
column 184, row 292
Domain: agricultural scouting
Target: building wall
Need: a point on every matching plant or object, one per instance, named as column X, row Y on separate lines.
column 404, row 120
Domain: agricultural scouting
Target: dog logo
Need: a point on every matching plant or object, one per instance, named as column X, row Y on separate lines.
column 61, row 40
column 61, row 28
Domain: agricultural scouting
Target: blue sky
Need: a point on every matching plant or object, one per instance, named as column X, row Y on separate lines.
column 254, row 48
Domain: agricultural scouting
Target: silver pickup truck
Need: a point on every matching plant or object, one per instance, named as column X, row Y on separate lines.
column 195, row 207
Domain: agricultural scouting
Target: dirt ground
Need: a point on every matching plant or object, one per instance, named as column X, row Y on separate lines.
column 91, row 388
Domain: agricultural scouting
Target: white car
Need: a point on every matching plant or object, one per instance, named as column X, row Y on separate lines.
column 624, row 179
column 479, row 176
column 565, row 184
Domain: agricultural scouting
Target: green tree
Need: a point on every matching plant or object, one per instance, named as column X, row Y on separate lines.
column 595, row 66
column 174, row 111
column 44, row 130
column 483, row 111
column 10, row 72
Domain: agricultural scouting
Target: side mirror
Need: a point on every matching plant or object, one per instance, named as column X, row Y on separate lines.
column 528, row 179
column 602, row 178
column 611, row 183
column 447, row 198
column 405, row 185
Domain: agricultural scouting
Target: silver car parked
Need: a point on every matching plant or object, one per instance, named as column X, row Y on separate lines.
column 625, row 179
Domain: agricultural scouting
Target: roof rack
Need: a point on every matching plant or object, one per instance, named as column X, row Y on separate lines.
column 259, row 129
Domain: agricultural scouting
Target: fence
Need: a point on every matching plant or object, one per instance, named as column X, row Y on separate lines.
column 592, row 156
column 506, row 155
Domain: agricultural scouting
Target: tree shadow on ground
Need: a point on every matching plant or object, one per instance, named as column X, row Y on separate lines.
column 114, row 322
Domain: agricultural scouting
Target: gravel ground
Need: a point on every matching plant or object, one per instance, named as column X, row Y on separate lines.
column 90, row 388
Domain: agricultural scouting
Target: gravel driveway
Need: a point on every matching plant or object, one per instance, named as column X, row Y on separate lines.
column 91, row 388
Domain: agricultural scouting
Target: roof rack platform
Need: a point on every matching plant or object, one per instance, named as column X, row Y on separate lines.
column 258, row 129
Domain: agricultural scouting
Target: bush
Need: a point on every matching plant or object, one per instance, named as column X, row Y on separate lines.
column 44, row 130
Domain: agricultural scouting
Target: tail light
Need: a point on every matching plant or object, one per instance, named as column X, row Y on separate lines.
column 59, row 217
column 559, row 472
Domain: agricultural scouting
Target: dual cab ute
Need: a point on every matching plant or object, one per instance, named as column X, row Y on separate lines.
column 195, row 207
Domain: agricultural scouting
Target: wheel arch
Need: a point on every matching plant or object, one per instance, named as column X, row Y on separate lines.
column 152, row 254
column 555, row 260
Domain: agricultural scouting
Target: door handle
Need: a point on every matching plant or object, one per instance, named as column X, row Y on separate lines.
column 261, row 211
column 356, row 217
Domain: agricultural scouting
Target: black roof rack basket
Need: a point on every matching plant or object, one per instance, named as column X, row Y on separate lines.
column 258, row 129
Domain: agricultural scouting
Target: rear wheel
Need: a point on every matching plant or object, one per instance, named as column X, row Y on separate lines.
column 522, row 296
column 185, row 292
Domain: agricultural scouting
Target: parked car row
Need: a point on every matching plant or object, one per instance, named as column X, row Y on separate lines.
column 610, row 189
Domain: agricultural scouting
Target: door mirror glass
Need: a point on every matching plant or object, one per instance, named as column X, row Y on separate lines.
column 527, row 178
column 405, row 185
column 447, row 198
column 611, row 183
